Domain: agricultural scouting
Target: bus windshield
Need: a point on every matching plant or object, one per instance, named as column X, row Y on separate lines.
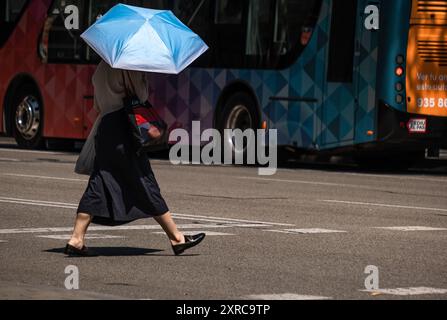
column 265, row 34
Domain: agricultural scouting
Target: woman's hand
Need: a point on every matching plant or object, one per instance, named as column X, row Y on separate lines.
column 154, row 132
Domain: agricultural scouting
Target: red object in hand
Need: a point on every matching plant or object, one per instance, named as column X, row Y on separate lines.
column 143, row 115
column 145, row 118
column 148, row 129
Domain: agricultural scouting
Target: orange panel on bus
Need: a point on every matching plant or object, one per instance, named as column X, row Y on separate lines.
column 426, row 81
column 429, row 12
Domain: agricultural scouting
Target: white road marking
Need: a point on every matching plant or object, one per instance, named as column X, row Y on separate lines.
column 88, row 236
column 239, row 222
column 408, row 291
column 384, row 205
column 412, row 228
column 68, row 229
column 285, row 296
column 36, row 151
column 28, row 201
column 248, row 225
column 9, row 160
column 73, row 206
column 236, row 220
column 116, row 228
column 179, row 216
column 420, row 178
column 3, row 241
column 40, row 203
column 307, row 231
column 42, row 177
column 208, row 233
column 328, row 184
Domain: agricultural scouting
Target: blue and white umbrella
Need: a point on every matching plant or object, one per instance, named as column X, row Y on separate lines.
column 133, row 38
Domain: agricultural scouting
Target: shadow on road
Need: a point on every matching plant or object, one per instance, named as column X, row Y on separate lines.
column 114, row 251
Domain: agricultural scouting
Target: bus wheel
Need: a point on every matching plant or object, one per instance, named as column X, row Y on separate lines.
column 27, row 117
column 239, row 112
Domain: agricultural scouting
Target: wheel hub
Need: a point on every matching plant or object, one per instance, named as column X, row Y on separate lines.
column 239, row 118
column 27, row 117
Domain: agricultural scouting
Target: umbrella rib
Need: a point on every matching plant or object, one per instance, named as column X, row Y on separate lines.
column 169, row 51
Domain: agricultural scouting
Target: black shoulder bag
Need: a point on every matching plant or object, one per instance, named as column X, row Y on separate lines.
column 141, row 116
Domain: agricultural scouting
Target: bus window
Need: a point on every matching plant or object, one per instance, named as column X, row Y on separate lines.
column 197, row 15
column 295, row 21
column 10, row 11
column 58, row 43
column 96, row 9
column 259, row 32
column 188, row 10
column 229, row 33
column 341, row 48
column 229, row 12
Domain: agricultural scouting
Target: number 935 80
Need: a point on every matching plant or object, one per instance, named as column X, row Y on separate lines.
column 432, row 102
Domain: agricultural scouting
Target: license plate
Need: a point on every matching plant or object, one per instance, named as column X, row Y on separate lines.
column 417, row 125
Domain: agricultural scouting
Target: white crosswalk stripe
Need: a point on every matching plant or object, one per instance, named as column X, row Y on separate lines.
column 183, row 216
column 285, row 296
column 414, row 291
column 307, row 231
column 42, row 177
column 88, row 236
column 132, row 227
column 9, row 160
column 208, row 233
column 383, row 205
column 412, row 228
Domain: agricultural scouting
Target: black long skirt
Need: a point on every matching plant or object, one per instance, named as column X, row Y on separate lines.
column 122, row 187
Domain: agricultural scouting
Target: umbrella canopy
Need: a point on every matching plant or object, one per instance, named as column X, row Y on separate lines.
column 133, row 38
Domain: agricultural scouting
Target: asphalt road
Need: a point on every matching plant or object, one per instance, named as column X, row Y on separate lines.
column 306, row 232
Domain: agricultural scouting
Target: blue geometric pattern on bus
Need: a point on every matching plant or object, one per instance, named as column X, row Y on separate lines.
column 366, row 112
column 333, row 121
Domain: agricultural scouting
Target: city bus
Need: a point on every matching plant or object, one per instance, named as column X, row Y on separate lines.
column 358, row 76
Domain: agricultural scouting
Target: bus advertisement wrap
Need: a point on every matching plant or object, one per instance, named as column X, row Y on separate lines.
column 327, row 75
column 427, row 76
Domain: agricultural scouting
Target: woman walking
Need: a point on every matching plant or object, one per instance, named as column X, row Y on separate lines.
column 122, row 187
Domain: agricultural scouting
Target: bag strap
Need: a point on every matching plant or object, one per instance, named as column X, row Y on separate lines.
column 126, row 89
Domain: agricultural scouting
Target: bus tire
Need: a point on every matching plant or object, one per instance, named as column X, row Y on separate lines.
column 27, row 117
column 238, row 112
